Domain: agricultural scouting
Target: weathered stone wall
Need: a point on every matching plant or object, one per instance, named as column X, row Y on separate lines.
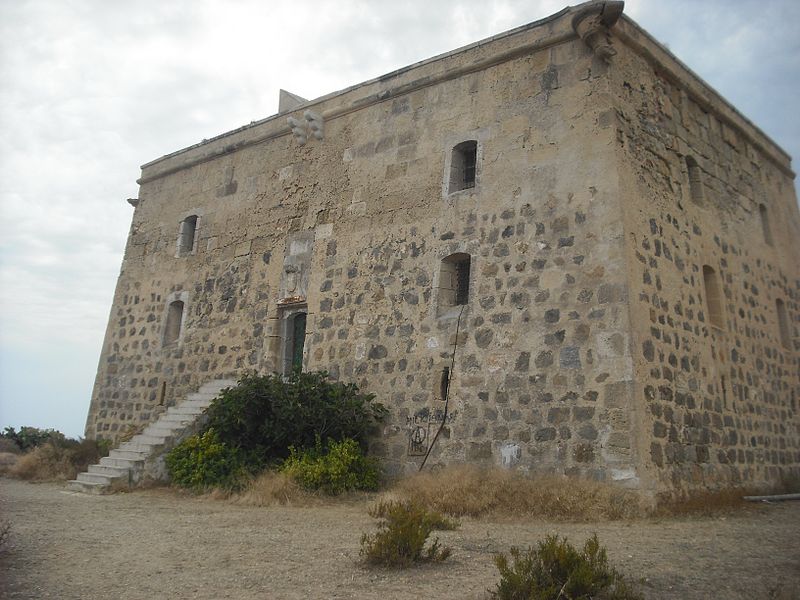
column 542, row 377
column 720, row 402
column 584, row 346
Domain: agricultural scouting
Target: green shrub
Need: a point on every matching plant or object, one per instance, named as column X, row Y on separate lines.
column 264, row 415
column 202, row 461
column 401, row 536
column 28, row 438
column 555, row 570
column 385, row 509
column 341, row 467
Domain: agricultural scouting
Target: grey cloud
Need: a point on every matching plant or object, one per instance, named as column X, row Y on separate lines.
column 93, row 89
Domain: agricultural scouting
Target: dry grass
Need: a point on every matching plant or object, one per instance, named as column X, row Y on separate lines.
column 268, row 489
column 55, row 462
column 7, row 462
column 10, row 446
column 45, row 463
column 130, row 432
column 706, row 503
column 5, row 535
column 471, row 491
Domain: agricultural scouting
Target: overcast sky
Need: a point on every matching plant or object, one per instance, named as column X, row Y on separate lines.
column 92, row 89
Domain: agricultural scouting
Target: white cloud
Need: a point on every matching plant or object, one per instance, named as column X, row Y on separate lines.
column 93, row 89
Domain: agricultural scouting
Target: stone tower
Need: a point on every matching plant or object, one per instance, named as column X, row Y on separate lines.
column 557, row 245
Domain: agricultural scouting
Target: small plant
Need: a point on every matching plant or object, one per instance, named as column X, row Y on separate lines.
column 402, row 535
column 203, row 461
column 384, row 509
column 341, row 467
column 5, row 535
column 555, row 570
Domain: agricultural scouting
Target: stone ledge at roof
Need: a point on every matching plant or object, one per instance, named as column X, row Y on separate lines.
column 414, row 76
column 543, row 33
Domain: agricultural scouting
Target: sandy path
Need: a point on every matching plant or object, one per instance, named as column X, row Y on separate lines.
column 155, row 544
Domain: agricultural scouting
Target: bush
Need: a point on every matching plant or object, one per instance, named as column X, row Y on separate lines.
column 202, row 461
column 340, row 467
column 401, row 536
column 264, row 415
column 256, row 423
column 59, row 459
column 28, row 438
column 555, row 569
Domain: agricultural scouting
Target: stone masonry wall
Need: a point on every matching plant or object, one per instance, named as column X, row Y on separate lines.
column 721, row 403
column 543, row 375
column 585, row 345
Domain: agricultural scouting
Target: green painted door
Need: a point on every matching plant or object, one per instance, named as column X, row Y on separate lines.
column 298, row 339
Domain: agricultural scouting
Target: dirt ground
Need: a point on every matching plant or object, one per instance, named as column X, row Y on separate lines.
column 157, row 544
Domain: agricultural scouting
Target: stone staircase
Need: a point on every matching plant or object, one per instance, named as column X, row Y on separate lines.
column 143, row 456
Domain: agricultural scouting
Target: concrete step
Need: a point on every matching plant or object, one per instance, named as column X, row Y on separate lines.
column 175, row 420
column 127, row 454
column 110, row 471
column 125, row 461
column 86, row 487
column 217, row 385
column 149, row 440
column 163, row 430
column 120, row 463
column 206, row 397
column 200, row 405
column 142, row 449
column 188, row 411
column 94, row 478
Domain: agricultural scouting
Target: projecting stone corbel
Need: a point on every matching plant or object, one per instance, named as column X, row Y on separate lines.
column 592, row 24
column 311, row 124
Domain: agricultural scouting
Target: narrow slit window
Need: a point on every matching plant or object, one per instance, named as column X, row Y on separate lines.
column 186, row 235
column 783, row 324
column 444, row 383
column 724, row 392
column 765, row 228
column 454, row 280
column 172, row 330
column 695, row 181
column 713, row 297
column 163, row 394
column 462, row 282
column 463, row 166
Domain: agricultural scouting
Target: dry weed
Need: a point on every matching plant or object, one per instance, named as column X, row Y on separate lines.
column 466, row 490
column 5, row 535
column 7, row 461
column 706, row 503
column 271, row 488
column 130, row 432
column 45, row 463
column 57, row 462
column 7, row 445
